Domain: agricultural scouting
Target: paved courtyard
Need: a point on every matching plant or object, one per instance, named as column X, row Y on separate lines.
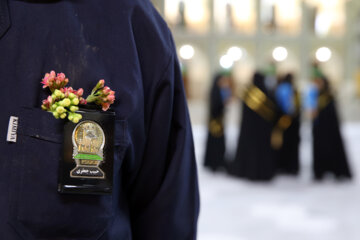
column 287, row 208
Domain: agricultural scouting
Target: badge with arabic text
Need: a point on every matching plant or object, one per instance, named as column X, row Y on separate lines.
column 88, row 140
column 87, row 165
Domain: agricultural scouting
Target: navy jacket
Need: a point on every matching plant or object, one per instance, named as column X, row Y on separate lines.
column 126, row 43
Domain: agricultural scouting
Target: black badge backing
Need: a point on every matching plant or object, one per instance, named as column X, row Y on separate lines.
column 87, row 165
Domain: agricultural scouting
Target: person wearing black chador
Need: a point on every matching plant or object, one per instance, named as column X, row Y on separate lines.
column 288, row 125
column 215, row 146
column 328, row 148
column 255, row 157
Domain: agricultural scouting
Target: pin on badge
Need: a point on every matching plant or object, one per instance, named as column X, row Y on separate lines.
column 88, row 140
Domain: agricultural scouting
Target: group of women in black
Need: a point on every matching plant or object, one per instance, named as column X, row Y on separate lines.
column 269, row 137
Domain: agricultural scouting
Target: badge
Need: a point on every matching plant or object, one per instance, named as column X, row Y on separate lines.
column 87, row 164
column 88, row 141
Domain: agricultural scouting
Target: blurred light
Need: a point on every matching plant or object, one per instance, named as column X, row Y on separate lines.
column 330, row 3
column 280, row 54
column 195, row 11
column 235, row 53
column 269, row 2
column 287, row 9
column 226, row 62
column 323, row 24
column 171, row 11
column 323, row 54
column 187, row 52
column 243, row 10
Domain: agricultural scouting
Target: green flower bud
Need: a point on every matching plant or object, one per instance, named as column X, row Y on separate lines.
column 58, row 93
column 72, row 96
column 56, row 115
column 63, row 115
column 75, row 101
column 60, row 110
column 66, row 102
column 53, row 107
column 43, row 107
column 71, row 116
column 76, row 117
column 75, row 120
column 53, row 96
column 74, row 108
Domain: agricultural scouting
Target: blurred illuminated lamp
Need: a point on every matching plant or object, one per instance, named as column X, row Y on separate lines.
column 323, row 54
column 280, row 54
column 235, row 53
column 226, row 62
column 187, row 52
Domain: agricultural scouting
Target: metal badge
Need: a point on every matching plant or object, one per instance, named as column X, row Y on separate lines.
column 88, row 141
column 87, row 165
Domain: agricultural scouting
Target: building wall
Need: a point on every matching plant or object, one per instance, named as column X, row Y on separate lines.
column 211, row 34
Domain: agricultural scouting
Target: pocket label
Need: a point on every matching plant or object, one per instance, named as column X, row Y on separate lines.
column 12, row 129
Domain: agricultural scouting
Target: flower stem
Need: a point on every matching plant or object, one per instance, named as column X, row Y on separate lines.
column 91, row 98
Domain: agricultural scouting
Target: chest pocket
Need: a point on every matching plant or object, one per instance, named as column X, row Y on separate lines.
column 39, row 211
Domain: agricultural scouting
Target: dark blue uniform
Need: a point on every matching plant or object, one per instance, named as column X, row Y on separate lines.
column 155, row 193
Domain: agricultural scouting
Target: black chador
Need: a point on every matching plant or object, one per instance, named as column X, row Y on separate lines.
column 215, row 145
column 255, row 157
column 287, row 127
column 328, row 148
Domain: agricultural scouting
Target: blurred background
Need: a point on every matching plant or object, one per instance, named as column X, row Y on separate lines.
column 242, row 36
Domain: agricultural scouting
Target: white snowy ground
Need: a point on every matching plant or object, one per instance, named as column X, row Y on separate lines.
column 286, row 209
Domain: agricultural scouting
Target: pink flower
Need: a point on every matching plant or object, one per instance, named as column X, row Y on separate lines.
column 105, row 106
column 111, row 98
column 106, row 89
column 46, row 104
column 101, row 83
column 83, row 101
column 45, row 83
column 53, row 81
column 67, row 90
column 102, row 95
column 80, row 92
column 60, row 76
column 48, row 77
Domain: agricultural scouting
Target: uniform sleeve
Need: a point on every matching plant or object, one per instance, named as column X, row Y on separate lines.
column 164, row 198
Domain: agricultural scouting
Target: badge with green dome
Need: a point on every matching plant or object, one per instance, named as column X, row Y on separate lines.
column 88, row 140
